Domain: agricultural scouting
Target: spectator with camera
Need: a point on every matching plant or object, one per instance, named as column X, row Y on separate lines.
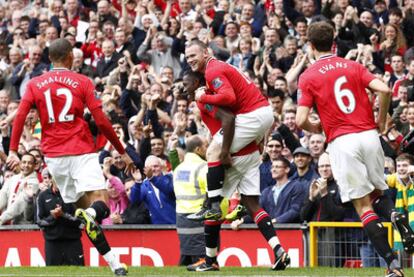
column 61, row 230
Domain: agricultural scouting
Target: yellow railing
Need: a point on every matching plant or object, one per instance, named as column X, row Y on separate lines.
column 313, row 235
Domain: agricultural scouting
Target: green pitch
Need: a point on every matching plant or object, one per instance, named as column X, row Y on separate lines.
column 179, row 271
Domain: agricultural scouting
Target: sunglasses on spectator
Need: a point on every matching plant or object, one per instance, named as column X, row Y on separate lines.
column 18, row 33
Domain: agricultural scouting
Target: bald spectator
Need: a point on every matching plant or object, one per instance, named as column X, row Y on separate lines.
column 107, row 63
column 316, row 146
column 187, row 12
column 162, row 55
column 51, row 34
column 28, row 69
column 105, row 14
column 15, row 58
column 157, row 191
column 72, row 12
column 78, row 64
column 4, row 101
column 308, row 10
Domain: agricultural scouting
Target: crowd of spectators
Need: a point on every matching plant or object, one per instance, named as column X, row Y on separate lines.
column 134, row 52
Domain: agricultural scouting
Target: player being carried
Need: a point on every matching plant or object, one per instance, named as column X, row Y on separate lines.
column 61, row 96
column 227, row 87
column 244, row 175
column 337, row 87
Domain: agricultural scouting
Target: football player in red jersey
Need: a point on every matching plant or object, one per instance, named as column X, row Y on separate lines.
column 60, row 96
column 227, row 87
column 244, row 176
column 337, row 87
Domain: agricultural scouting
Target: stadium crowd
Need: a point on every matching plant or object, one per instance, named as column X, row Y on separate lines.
column 133, row 50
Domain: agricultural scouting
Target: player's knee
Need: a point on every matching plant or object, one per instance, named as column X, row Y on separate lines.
column 213, row 152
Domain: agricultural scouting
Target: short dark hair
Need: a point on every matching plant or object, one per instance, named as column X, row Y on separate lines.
column 405, row 157
column 25, row 18
column 28, row 154
column 195, row 76
column 321, row 35
column 285, row 161
column 395, row 11
column 59, row 50
column 276, row 92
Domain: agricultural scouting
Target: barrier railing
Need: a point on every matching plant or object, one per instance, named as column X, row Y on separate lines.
column 342, row 244
column 311, row 244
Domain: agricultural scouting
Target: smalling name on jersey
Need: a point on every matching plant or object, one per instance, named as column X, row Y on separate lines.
column 331, row 66
column 57, row 79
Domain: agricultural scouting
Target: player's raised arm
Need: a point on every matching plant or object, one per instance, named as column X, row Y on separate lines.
column 302, row 120
column 384, row 93
column 105, row 126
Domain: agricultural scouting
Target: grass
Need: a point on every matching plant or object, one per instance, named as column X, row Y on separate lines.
column 180, row 271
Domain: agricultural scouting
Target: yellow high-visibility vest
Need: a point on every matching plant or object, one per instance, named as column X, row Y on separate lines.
column 190, row 184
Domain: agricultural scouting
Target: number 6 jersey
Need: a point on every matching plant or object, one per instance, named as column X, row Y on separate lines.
column 337, row 87
column 60, row 96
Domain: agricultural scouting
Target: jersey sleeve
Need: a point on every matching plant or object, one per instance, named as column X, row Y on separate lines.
column 89, row 95
column 224, row 96
column 366, row 76
column 305, row 96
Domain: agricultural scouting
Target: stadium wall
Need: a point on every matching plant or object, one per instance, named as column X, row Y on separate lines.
column 151, row 245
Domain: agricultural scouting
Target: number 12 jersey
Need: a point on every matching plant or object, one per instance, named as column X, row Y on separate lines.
column 337, row 87
column 61, row 97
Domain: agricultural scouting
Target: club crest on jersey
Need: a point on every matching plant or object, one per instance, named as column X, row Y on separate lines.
column 217, row 83
column 208, row 107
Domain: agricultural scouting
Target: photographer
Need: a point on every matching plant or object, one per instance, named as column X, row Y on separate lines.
column 61, row 230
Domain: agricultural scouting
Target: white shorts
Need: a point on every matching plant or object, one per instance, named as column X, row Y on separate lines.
column 76, row 174
column 244, row 176
column 357, row 162
column 249, row 127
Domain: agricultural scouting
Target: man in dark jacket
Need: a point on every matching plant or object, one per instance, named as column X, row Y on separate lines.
column 61, row 230
column 283, row 200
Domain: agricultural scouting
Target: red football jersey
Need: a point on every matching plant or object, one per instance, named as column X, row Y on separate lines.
column 61, row 96
column 337, row 87
column 231, row 88
column 207, row 113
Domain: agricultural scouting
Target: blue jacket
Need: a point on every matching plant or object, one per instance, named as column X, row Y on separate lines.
column 289, row 203
column 162, row 211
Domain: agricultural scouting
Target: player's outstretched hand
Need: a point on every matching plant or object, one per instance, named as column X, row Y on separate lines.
column 226, row 160
column 12, row 160
column 130, row 166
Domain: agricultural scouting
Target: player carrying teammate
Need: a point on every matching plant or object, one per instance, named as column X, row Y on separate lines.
column 61, row 96
column 337, row 87
column 244, row 176
column 227, row 87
